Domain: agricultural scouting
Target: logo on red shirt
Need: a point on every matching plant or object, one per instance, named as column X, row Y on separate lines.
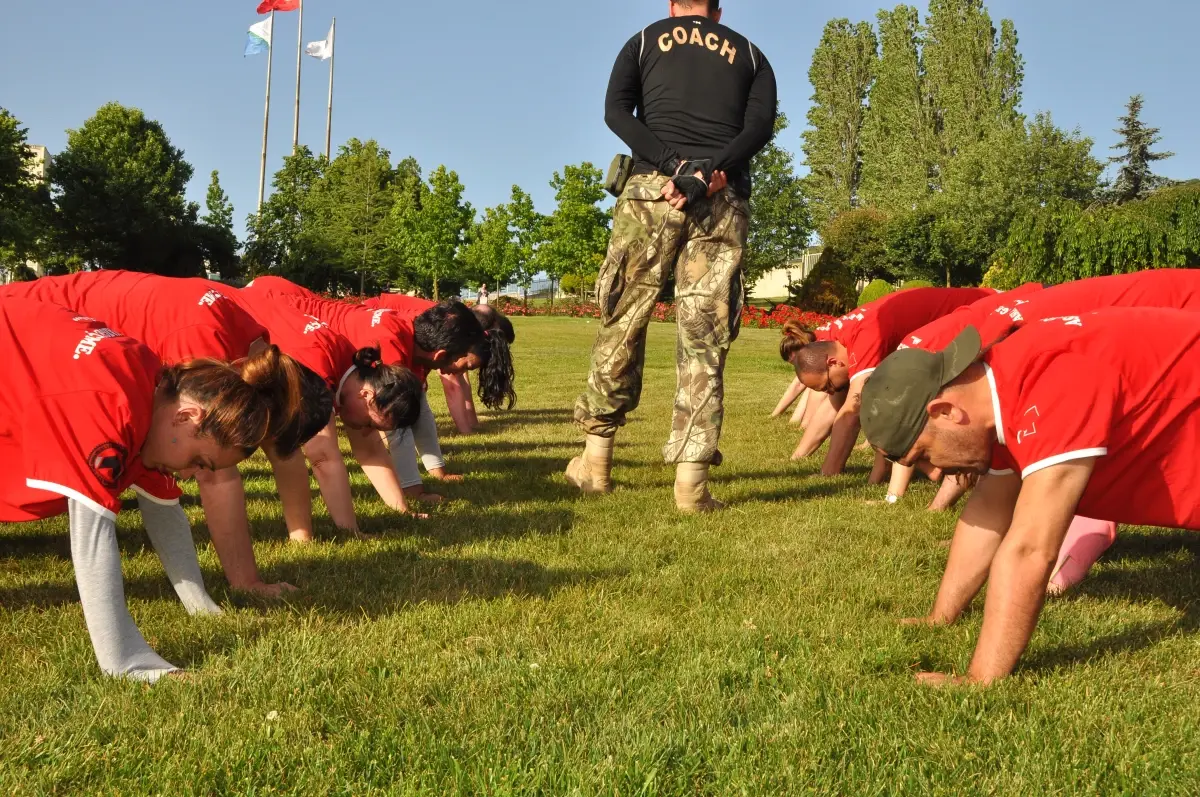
column 210, row 298
column 91, row 339
column 107, row 463
column 377, row 316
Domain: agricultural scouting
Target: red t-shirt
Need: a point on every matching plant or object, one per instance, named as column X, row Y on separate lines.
column 873, row 331
column 305, row 338
column 1084, row 386
column 360, row 325
column 179, row 319
column 409, row 307
column 1173, row 288
column 76, row 401
column 940, row 333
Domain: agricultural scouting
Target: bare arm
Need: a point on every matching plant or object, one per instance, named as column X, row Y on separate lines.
column 224, row 500
column 329, row 469
column 789, row 397
column 845, row 432
column 376, row 462
column 458, row 400
column 1023, row 565
column 820, row 426
column 980, row 530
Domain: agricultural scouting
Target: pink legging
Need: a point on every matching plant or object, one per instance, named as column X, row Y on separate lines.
column 1086, row 541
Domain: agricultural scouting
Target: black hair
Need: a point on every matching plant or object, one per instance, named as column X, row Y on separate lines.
column 453, row 328
column 397, row 389
column 316, row 407
column 492, row 319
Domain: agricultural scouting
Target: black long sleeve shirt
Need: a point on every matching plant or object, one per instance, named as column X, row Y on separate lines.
column 687, row 87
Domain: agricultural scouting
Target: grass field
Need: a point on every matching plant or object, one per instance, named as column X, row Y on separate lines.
column 526, row 641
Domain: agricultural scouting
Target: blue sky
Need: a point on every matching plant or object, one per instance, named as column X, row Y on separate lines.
column 507, row 92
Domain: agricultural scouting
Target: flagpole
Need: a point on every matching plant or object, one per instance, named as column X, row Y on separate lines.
column 329, row 110
column 299, row 61
column 262, row 169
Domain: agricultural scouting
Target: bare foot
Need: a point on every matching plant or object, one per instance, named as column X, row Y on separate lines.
column 263, row 590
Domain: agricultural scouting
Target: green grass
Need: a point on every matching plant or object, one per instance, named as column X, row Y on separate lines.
column 527, row 641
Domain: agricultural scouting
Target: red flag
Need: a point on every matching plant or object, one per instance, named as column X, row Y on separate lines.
column 267, row 6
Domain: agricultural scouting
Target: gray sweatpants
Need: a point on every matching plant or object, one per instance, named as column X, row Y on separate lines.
column 120, row 647
column 405, row 444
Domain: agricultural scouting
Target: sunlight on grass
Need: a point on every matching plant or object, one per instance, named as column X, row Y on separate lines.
column 527, row 641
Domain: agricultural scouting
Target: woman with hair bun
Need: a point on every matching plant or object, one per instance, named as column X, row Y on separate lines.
column 86, row 413
column 182, row 320
column 446, row 337
column 338, row 381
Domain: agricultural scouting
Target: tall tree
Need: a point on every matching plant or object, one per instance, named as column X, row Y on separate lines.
column 490, row 253
column 973, row 78
column 898, row 135
column 528, row 228
column 429, row 234
column 1135, row 179
column 842, row 69
column 217, row 240
column 120, row 190
column 354, row 200
column 577, row 233
column 24, row 201
column 284, row 238
column 779, row 222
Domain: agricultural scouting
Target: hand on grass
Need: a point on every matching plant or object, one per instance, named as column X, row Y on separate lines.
column 928, row 620
column 264, row 590
column 940, row 680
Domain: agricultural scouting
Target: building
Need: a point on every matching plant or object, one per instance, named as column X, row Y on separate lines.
column 773, row 285
column 38, row 169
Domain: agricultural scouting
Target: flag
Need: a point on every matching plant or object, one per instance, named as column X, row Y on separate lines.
column 267, row 6
column 323, row 49
column 258, row 40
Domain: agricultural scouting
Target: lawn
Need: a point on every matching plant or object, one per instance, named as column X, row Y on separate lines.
column 526, row 641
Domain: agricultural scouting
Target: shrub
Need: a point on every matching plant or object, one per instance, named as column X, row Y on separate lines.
column 876, row 290
column 829, row 289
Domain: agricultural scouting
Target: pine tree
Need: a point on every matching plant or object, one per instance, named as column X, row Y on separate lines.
column 218, row 210
column 1135, row 180
column 843, row 67
column 898, row 134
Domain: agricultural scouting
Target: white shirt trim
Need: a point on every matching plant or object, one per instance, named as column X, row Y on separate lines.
column 862, row 374
column 1058, row 459
column 987, row 369
column 74, row 495
column 154, row 498
column 337, row 394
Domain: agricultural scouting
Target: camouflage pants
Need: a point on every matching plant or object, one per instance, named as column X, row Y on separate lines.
column 648, row 238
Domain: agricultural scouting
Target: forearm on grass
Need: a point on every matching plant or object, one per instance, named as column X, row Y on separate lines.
column 376, row 462
column 224, row 500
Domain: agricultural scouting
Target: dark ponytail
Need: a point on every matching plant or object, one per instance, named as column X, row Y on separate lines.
column 452, row 327
column 496, row 376
column 316, row 408
column 492, row 319
column 397, row 389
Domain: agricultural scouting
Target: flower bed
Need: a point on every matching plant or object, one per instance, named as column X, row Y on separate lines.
column 665, row 312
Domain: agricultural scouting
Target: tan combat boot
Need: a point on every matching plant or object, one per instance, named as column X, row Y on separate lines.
column 592, row 472
column 691, row 489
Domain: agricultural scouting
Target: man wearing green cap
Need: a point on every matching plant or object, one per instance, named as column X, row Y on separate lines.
column 1069, row 415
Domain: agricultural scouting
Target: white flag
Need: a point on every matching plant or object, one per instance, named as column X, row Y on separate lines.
column 322, row 49
column 258, row 39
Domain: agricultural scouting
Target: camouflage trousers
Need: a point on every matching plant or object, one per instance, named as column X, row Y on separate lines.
column 649, row 237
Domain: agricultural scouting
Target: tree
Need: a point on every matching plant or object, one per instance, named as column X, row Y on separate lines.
column 973, row 78
column 779, row 222
column 283, row 236
column 353, row 203
column 528, row 227
column 217, row 241
column 843, row 66
column 120, row 193
column 491, row 251
column 25, row 208
column 1135, row 179
column 430, row 226
column 898, row 135
column 854, row 242
column 576, row 234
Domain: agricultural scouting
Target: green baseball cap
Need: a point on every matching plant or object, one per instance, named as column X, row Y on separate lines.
column 898, row 391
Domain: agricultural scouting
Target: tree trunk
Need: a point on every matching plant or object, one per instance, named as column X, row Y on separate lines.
column 552, row 294
column 436, row 297
column 525, row 296
column 947, row 275
column 362, row 289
